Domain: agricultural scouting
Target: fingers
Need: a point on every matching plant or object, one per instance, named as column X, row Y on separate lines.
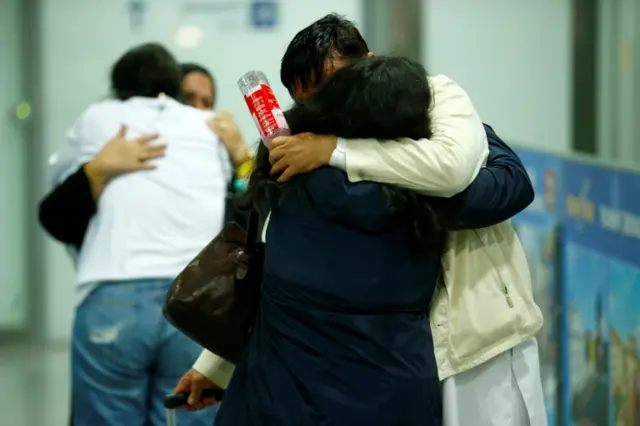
column 122, row 133
column 195, row 393
column 146, row 139
column 184, row 385
column 146, row 166
column 154, row 151
column 208, row 402
column 280, row 141
column 287, row 175
column 276, row 155
column 279, row 167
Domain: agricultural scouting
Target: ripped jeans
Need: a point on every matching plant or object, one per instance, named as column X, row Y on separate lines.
column 126, row 357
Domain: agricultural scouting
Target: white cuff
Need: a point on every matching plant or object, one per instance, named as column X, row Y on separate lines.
column 214, row 368
column 339, row 156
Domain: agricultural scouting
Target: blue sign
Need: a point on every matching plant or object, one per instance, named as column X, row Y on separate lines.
column 264, row 14
column 538, row 229
column 585, row 294
column 137, row 12
column 602, row 293
column 545, row 172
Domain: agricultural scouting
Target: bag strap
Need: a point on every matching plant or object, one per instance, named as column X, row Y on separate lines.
column 253, row 230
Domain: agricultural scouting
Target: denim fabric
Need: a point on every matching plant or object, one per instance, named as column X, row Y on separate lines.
column 126, row 357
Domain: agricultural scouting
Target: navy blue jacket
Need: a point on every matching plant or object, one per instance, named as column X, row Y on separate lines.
column 501, row 190
column 342, row 328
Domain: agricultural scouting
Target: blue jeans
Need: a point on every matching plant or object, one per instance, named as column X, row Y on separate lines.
column 126, row 357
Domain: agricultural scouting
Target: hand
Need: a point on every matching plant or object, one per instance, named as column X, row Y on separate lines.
column 120, row 156
column 194, row 383
column 228, row 131
column 293, row 155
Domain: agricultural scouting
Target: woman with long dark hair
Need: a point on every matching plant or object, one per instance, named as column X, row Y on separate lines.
column 342, row 335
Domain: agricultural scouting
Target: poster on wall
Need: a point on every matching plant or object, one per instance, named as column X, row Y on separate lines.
column 537, row 228
column 623, row 219
column 602, row 293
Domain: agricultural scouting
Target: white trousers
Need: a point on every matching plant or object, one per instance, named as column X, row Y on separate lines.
column 504, row 391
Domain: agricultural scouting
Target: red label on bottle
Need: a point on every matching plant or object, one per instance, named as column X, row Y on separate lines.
column 265, row 110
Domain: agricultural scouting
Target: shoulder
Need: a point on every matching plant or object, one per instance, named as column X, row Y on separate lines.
column 190, row 112
column 362, row 205
column 100, row 119
column 443, row 85
column 192, row 117
column 331, row 187
column 99, row 110
column 449, row 97
column 332, row 178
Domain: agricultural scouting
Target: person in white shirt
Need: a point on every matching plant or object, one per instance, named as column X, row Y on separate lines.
column 483, row 319
column 147, row 227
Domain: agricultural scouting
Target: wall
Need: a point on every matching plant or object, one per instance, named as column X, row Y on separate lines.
column 619, row 86
column 81, row 38
column 514, row 59
column 13, row 188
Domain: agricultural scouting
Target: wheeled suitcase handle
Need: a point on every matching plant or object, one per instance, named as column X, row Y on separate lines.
column 176, row 400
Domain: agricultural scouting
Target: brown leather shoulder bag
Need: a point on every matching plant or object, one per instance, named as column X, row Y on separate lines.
column 215, row 299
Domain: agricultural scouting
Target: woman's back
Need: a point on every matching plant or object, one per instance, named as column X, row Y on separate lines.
column 344, row 243
column 342, row 329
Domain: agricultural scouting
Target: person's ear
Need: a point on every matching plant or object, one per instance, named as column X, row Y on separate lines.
column 371, row 55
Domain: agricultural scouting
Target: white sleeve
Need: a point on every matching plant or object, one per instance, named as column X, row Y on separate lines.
column 214, row 368
column 80, row 146
column 339, row 156
column 443, row 165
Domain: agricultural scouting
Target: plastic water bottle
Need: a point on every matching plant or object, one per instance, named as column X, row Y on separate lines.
column 263, row 106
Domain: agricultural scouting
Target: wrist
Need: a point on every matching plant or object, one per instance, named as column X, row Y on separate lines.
column 96, row 176
column 241, row 154
column 332, row 147
column 338, row 156
column 95, row 172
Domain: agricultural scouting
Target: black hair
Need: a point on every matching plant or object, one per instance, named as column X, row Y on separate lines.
column 382, row 97
column 332, row 36
column 146, row 70
column 189, row 67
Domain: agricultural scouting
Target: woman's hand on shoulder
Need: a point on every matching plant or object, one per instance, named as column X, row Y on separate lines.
column 120, row 156
column 225, row 127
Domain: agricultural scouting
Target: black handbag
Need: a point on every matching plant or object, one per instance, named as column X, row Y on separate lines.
column 214, row 300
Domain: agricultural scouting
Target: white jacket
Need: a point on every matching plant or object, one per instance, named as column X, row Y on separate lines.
column 485, row 304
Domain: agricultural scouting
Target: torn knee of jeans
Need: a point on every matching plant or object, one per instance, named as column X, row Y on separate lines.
column 105, row 335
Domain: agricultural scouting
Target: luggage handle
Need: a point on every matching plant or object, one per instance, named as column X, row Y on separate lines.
column 176, row 400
